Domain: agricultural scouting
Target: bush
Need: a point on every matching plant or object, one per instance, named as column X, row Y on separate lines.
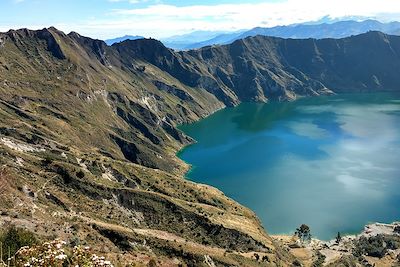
column 152, row 263
column 296, row 263
column 376, row 246
column 319, row 261
column 64, row 173
column 54, row 254
column 13, row 238
column 80, row 174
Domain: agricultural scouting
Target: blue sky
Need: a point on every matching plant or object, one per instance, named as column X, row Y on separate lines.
column 161, row 18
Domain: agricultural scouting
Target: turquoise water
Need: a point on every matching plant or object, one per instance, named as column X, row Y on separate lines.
column 332, row 163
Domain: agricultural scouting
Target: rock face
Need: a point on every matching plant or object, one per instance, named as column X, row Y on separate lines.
column 261, row 68
column 102, row 122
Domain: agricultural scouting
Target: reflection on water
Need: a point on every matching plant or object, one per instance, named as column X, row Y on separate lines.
column 329, row 162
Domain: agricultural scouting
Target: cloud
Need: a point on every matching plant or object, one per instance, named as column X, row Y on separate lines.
column 129, row 1
column 162, row 20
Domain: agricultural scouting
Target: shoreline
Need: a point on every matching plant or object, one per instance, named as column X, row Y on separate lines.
column 333, row 251
column 369, row 230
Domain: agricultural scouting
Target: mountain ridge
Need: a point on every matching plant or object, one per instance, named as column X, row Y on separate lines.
column 123, row 38
column 339, row 29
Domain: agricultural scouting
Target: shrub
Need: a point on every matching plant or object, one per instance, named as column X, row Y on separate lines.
column 80, row 174
column 13, row 238
column 296, row 263
column 152, row 263
column 54, row 254
column 376, row 246
column 319, row 261
column 65, row 175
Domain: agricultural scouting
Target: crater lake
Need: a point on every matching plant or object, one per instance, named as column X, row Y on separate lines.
column 331, row 162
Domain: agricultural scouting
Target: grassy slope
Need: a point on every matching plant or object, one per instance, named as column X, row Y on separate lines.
column 68, row 121
column 88, row 137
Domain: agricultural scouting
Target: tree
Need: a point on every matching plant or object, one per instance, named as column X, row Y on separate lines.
column 338, row 238
column 303, row 233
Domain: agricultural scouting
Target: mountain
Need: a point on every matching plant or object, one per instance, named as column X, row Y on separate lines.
column 338, row 29
column 88, row 143
column 123, row 38
column 263, row 68
column 396, row 32
column 177, row 41
column 182, row 41
column 89, row 140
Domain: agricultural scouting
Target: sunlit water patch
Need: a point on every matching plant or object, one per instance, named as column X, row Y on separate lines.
column 329, row 162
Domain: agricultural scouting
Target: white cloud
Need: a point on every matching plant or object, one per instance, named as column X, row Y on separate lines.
column 239, row 16
column 161, row 20
column 130, row 1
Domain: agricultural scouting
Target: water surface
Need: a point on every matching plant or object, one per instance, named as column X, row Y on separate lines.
column 330, row 162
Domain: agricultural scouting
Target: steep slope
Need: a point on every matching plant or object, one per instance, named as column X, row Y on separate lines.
column 88, row 137
column 266, row 68
column 88, row 143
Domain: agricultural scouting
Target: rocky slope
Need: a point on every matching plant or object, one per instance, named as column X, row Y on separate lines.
column 88, row 135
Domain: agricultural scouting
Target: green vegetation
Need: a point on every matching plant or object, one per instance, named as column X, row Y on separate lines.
column 296, row 263
column 104, row 120
column 376, row 246
column 55, row 254
column 338, row 238
column 319, row 262
column 12, row 239
column 303, row 233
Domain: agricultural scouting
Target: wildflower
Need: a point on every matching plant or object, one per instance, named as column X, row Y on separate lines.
column 61, row 257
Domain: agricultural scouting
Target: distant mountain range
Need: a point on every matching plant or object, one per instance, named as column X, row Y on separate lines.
column 123, row 38
column 182, row 41
column 302, row 31
column 338, row 29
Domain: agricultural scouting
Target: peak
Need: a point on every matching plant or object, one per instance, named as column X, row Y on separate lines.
column 25, row 32
column 374, row 34
column 141, row 41
column 52, row 28
column 74, row 34
column 142, row 45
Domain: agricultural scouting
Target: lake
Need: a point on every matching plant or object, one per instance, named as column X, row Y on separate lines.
column 331, row 162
